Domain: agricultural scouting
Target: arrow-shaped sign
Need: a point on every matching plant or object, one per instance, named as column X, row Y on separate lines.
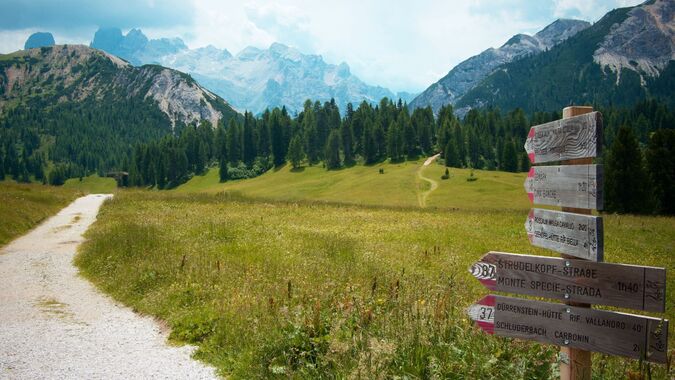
column 566, row 139
column 629, row 286
column 577, row 186
column 572, row 234
column 609, row 332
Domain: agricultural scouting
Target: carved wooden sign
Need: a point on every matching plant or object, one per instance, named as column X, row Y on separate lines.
column 572, row 234
column 603, row 331
column 565, row 139
column 629, row 286
column 577, row 186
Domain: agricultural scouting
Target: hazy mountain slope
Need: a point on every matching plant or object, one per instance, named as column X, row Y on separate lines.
column 470, row 72
column 253, row 79
column 74, row 73
column 623, row 58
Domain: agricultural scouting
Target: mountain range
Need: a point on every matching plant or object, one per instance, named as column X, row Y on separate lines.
column 253, row 79
column 75, row 73
column 472, row 71
column 624, row 57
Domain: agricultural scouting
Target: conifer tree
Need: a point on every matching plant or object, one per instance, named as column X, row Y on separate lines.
column 295, row 151
column 223, row 170
column 625, row 177
column 661, row 164
column 451, row 154
column 347, row 136
column 332, row 154
column 509, row 158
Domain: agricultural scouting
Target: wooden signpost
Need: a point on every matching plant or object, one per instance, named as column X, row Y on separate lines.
column 603, row 331
column 566, row 139
column 572, row 234
column 621, row 285
column 579, row 277
column 578, row 186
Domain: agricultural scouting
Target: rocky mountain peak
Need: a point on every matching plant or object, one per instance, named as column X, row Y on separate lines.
column 39, row 39
column 560, row 30
column 644, row 42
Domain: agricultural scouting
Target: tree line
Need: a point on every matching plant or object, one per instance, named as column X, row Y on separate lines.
column 320, row 134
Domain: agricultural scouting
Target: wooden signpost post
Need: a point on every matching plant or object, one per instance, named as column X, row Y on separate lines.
column 621, row 285
column 579, row 277
column 603, row 331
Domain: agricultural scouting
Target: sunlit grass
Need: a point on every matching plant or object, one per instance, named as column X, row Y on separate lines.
column 92, row 184
column 23, row 206
column 301, row 289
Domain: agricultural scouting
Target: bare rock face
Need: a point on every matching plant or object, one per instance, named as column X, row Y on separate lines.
column 469, row 73
column 644, row 42
column 76, row 72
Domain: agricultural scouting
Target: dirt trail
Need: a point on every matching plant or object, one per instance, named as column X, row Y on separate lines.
column 422, row 196
column 56, row 325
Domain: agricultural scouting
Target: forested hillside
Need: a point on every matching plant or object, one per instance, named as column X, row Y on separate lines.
column 570, row 73
column 73, row 110
column 486, row 139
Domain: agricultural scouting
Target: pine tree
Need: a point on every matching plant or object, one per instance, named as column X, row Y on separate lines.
column 509, row 158
column 347, row 140
column 369, row 145
column 277, row 134
column 248, row 140
column 233, row 137
column 661, row 164
column 222, row 170
column 625, row 177
column 451, row 154
column 295, row 152
column 332, row 154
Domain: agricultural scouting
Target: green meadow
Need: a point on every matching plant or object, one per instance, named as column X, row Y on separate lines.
column 340, row 274
column 92, row 184
column 23, row 206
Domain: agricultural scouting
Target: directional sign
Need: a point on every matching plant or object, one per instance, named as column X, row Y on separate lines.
column 629, row 286
column 572, row 234
column 566, row 139
column 577, row 186
column 587, row 329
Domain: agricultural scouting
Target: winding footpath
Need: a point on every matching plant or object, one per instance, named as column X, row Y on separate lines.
column 55, row 325
column 422, row 197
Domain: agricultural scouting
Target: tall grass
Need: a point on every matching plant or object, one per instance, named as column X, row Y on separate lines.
column 310, row 290
column 23, row 206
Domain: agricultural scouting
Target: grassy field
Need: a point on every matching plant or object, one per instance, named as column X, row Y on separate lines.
column 398, row 186
column 23, row 206
column 305, row 289
column 92, row 185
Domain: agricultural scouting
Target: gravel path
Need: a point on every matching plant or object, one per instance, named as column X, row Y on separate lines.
column 56, row 325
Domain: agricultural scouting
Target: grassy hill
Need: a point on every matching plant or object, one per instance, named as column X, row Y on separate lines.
column 399, row 185
column 92, row 185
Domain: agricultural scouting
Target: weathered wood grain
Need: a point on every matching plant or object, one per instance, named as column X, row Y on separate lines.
column 565, row 139
column 577, row 186
column 572, row 234
column 630, row 335
column 620, row 285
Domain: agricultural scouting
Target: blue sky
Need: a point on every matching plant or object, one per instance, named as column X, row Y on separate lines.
column 402, row 45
